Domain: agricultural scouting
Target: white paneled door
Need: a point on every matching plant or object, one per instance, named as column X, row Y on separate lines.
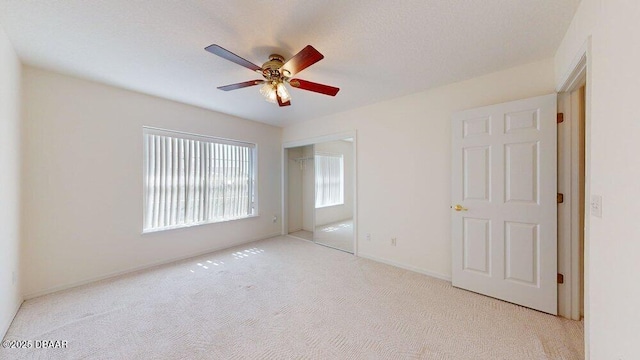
column 504, row 204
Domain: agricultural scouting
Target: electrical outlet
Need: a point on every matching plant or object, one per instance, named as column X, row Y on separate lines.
column 596, row 205
column 275, row 219
column 368, row 237
column 393, row 241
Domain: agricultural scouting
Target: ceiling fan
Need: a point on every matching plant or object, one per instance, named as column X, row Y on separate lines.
column 276, row 73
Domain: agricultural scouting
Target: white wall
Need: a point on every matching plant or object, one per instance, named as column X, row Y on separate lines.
column 83, row 172
column 332, row 214
column 613, row 119
column 404, row 159
column 10, row 73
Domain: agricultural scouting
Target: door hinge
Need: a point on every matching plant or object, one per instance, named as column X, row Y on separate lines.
column 560, row 279
column 560, row 198
column 560, row 118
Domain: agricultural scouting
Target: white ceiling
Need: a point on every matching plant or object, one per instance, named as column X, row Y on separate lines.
column 374, row 50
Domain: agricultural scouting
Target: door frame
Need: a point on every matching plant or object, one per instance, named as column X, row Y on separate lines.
column 569, row 301
column 285, row 177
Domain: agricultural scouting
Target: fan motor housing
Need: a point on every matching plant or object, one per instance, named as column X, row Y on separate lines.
column 271, row 69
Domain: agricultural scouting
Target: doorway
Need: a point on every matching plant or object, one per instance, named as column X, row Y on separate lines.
column 319, row 184
column 300, row 191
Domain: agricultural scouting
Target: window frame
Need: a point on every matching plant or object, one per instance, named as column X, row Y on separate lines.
column 148, row 130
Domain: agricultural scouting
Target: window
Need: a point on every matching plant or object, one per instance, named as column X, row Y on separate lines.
column 329, row 180
column 192, row 179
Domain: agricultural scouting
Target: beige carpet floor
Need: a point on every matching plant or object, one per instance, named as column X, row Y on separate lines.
column 284, row 298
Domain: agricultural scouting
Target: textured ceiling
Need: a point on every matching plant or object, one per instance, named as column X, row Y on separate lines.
column 374, row 50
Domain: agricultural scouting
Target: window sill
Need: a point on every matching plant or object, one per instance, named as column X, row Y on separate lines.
column 328, row 206
column 151, row 231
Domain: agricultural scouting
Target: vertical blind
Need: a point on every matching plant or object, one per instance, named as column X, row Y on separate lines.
column 329, row 180
column 193, row 179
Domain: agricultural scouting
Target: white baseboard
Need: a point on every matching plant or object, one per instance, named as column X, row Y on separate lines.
column 407, row 267
column 139, row 268
column 5, row 327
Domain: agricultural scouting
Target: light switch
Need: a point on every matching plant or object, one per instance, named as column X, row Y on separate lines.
column 596, row 205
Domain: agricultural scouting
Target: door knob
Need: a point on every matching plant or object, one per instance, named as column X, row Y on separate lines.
column 459, row 208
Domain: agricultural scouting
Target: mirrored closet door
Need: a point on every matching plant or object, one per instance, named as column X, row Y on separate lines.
column 334, row 174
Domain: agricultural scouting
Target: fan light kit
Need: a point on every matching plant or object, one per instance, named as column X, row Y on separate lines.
column 276, row 73
column 272, row 90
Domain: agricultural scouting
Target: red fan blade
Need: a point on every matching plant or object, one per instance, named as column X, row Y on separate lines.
column 283, row 103
column 240, row 85
column 302, row 60
column 315, row 87
column 226, row 54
